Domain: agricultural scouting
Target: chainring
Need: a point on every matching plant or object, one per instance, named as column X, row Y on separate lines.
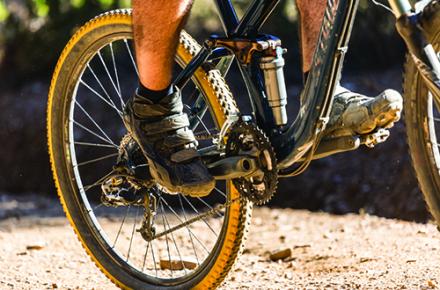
column 245, row 138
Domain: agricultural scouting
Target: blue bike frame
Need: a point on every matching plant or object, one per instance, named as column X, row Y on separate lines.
column 301, row 138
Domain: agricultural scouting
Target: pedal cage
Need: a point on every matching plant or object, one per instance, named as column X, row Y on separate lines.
column 378, row 136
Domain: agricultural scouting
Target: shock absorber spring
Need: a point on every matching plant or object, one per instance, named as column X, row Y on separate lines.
column 272, row 67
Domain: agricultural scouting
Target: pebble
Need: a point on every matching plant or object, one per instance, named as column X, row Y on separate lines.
column 175, row 263
column 36, row 246
column 432, row 284
column 301, row 246
column 280, row 254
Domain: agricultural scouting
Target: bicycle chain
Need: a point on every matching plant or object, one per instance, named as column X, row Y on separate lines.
column 208, row 213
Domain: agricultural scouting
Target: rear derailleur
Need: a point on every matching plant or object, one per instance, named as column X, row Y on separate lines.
column 130, row 184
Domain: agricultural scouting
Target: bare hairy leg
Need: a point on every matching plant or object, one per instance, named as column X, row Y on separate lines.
column 311, row 13
column 157, row 25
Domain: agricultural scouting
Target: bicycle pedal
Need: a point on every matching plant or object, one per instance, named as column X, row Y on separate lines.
column 379, row 136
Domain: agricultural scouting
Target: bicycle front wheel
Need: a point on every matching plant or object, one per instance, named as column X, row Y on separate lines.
column 422, row 120
column 93, row 79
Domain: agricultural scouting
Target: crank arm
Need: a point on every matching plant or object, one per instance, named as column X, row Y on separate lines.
column 233, row 167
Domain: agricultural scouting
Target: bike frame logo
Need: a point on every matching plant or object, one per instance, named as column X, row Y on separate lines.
column 327, row 26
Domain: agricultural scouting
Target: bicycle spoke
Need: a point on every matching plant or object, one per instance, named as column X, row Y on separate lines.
column 189, row 234
column 202, row 108
column 154, row 258
column 98, row 182
column 102, row 87
column 98, row 206
column 93, row 121
column 131, row 57
column 172, row 237
column 108, row 73
column 203, row 124
column 145, row 256
column 203, row 219
column 210, row 207
column 120, row 228
column 221, row 192
column 100, row 96
column 132, row 234
column 117, row 76
column 180, row 220
column 94, row 145
column 94, row 133
column 166, row 238
column 97, row 159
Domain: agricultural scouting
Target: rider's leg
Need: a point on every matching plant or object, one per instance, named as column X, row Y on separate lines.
column 157, row 26
column 154, row 114
column 352, row 113
column 311, row 13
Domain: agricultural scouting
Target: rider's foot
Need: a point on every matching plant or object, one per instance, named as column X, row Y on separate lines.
column 161, row 130
column 355, row 114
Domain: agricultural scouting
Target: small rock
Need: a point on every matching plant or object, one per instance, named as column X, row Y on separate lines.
column 280, row 254
column 301, row 246
column 288, row 275
column 21, row 253
column 291, row 265
column 36, row 246
column 431, row 284
column 290, row 259
column 54, row 286
column 175, row 263
column 364, row 260
column 411, row 261
column 246, row 251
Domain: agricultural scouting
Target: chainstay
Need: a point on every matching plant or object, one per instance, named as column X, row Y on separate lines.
column 210, row 212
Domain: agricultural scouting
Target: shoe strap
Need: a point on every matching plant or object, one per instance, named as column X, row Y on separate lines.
column 169, row 123
column 184, row 155
column 179, row 136
column 144, row 108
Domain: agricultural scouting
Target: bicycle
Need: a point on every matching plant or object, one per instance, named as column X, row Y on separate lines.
column 142, row 238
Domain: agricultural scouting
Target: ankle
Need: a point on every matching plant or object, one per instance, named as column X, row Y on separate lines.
column 154, row 96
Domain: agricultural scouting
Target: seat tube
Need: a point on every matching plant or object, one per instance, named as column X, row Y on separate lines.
column 400, row 7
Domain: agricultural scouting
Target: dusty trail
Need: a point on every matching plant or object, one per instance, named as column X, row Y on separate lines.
column 352, row 251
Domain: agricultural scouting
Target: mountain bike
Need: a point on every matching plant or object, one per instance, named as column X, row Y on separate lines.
column 143, row 238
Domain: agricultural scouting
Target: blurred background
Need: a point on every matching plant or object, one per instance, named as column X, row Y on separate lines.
column 379, row 181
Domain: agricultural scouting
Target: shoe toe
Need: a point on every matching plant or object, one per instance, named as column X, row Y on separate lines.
column 392, row 97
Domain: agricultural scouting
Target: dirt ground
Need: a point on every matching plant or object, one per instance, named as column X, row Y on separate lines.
column 328, row 251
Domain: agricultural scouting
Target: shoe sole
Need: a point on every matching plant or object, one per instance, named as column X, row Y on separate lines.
column 192, row 190
column 390, row 115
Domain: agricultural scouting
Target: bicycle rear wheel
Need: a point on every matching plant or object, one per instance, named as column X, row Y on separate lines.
column 422, row 119
column 94, row 77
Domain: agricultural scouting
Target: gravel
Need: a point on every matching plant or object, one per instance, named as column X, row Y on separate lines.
column 327, row 251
